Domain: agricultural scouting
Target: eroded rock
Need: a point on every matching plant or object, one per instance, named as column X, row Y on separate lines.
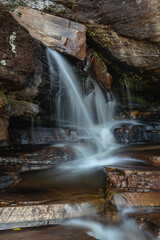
column 57, row 33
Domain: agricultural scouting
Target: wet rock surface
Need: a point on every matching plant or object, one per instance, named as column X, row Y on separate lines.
column 150, row 154
column 36, row 149
column 98, row 70
column 58, row 33
column 134, row 180
column 40, row 215
column 49, row 233
column 128, row 133
column 138, row 199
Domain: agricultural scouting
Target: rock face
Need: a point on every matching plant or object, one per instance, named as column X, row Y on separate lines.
column 129, row 30
column 139, row 19
column 17, row 53
column 61, row 8
column 21, row 70
column 57, row 33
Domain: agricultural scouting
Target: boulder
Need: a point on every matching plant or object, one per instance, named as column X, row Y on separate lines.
column 58, row 33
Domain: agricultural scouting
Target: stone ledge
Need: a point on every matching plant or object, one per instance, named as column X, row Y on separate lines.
column 42, row 214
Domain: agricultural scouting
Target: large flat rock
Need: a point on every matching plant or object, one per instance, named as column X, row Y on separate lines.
column 55, row 32
column 42, row 214
column 150, row 199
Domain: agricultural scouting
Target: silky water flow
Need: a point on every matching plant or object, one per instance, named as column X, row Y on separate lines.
column 92, row 113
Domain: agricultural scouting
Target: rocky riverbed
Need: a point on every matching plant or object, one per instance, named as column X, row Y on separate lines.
column 46, row 173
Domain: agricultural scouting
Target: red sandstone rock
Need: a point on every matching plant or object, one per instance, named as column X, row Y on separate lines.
column 98, row 70
column 58, row 33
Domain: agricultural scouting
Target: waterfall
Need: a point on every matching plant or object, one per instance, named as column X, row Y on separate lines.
column 92, row 112
column 70, row 104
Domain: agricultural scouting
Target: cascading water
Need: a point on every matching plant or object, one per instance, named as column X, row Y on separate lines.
column 94, row 114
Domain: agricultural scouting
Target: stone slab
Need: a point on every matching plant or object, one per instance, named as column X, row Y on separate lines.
column 42, row 214
column 145, row 179
column 55, row 32
column 151, row 199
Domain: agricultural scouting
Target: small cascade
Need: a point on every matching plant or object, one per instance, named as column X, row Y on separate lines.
column 128, row 93
column 93, row 112
column 71, row 106
column 127, row 230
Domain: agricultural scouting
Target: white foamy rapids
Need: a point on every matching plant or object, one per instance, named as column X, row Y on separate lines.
column 127, row 230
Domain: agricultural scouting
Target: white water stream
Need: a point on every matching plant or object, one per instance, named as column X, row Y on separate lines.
column 94, row 114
